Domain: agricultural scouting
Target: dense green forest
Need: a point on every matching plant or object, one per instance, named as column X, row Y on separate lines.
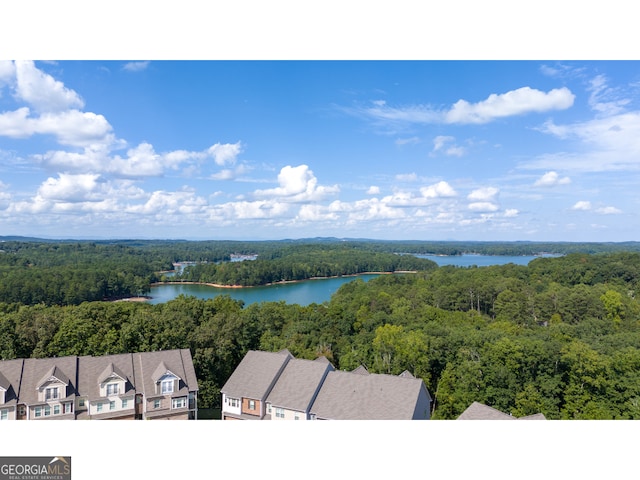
column 560, row 336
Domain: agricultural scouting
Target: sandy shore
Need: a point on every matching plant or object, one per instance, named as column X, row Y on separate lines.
column 217, row 285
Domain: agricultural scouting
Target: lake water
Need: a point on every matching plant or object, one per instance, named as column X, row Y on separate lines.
column 302, row 293
column 313, row 291
column 481, row 260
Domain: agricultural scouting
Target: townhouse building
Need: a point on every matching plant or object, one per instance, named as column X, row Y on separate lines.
column 145, row 385
column 277, row 386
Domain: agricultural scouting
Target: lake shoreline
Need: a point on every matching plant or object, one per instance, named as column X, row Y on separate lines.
column 283, row 282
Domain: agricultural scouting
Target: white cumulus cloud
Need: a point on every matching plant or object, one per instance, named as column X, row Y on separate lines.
column 516, row 102
column 438, row 190
column 42, row 91
column 551, row 179
column 298, row 184
column 582, row 205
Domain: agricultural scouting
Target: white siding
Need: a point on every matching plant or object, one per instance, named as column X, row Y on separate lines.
column 226, row 406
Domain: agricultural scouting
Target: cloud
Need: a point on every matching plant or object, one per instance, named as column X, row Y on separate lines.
column 516, row 102
column 69, row 188
column 483, row 207
column 445, row 144
column 608, row 210
column 511, row 212
column 604, row 99
column 42, row 91
column 225, row 154
column 407, row 177
column 408, row 141
column 512, row 103
column 582, row 205
column 373, row 190
column 135, row 66
column 483, row 194
column 438, row 190
column 298, row 184
column 551, row 179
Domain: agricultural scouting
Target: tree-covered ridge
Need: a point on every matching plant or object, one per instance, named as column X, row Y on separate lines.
column 560, row 336
column 302, row 263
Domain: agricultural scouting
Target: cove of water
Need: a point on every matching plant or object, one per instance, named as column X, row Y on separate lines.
column 313, row 291
column 302, row 293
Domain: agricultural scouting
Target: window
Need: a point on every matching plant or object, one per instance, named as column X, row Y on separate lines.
column 166, row 386
column 125, row 403
column 179, row 402
column 81, row 402
column 56, row 409
column 112, row 405
column 51, row 393
column 233, row 402
column 279, row 412
column 38, row 411
column 269, row 408
column 252, row 405
column 22, row 411
column 99, row 407
column 296, row 417
column 156, row 404
column 4, row 414
column 47, row 411
column 112, row 389
column 67, row 407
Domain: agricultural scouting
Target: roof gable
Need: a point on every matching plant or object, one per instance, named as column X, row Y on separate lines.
column 161, row 372
column 4, row 383
column 54, row 374
column 110, row 372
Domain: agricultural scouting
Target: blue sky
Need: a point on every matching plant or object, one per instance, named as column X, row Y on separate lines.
column 426, row 150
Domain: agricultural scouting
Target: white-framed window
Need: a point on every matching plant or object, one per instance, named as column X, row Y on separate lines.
column 234, row 402
column 81, row 402
column 67, row 407
column 252, row 404
column 99, row 406
column 47, row 411
column 125, row 403
column 112, row 405
column 166, row 386
column 179, row 402
column 56, row 409
column 156, row 404
column 112, row 389
column 38, row 411
column 51, row 393
column 4, row 414
column 279, row 412
column 296, row 416
column 269, row 408
column 22, row 411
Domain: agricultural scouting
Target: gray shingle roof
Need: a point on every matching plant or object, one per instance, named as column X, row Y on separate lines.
column 94, row 370
column 11, row 370
column 255, row 375
column 353, row 396
column 39, row 370
column 480, row 411
column 179, row 362
column 298, row 384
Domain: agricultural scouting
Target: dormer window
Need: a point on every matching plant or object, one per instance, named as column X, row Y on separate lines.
column 51, row 393
column 112, row 389
column 166, row 386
